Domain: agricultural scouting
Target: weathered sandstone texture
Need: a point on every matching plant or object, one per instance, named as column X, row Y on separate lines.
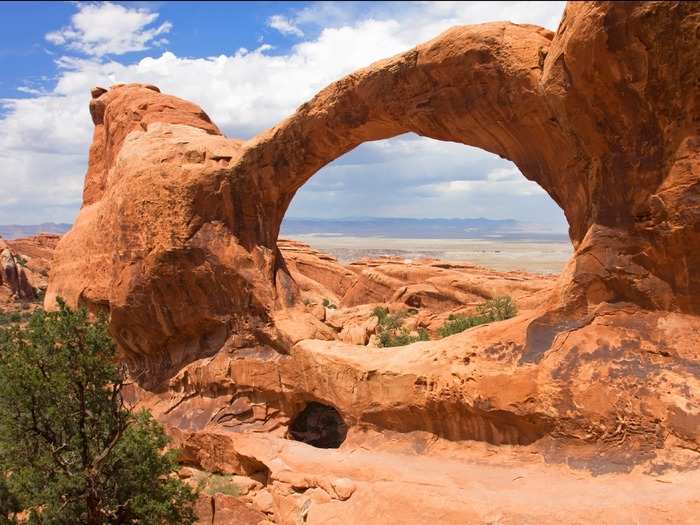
column 599, row 374
column 37, row 254
column 15, row 283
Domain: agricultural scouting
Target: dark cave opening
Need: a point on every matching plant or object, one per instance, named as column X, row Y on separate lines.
column 319, row 425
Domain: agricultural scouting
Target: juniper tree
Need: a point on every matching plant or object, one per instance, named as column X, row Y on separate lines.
column 71, row 451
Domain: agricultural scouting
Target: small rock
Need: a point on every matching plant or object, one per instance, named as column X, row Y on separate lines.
column 343, row 488
column 263, row 502
column 246, row 484
column 319, row 312
column 186, row 473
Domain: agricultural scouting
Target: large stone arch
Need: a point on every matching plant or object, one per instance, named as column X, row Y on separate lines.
column 177, row 235
column 476, row 85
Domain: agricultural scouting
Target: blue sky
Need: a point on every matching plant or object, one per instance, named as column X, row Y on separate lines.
column 198, row 29
column 248, row 64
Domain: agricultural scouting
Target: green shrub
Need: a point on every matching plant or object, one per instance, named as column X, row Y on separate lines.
column 328, row 304
column 221, row 484
column 496, row 309
column 380, row 313
column 388, row 321
column 11, row 317
column 21, row 261
column 456, row 324
column 391, row 329
column 71, row 450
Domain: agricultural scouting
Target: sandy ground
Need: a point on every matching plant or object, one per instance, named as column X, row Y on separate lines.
column 537, row 257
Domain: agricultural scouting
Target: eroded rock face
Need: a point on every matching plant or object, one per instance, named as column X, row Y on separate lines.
column 37, row 255
column 177, row 239
column 15, row 285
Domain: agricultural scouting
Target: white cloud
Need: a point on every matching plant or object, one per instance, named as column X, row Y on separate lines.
column 284, row 26
column 423, row 20
column 106, row 28
column 504, row 174
column 245, row 93
column 513, row 185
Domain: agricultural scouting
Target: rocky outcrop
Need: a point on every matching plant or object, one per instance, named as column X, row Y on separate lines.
column 15, row 285
column 177, row 240
column 318, row 275
column 442, row 286
column 431, row 289
column 37, row 255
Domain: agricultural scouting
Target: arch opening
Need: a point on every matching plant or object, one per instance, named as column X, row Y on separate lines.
column 319, row 425
column 375, row 198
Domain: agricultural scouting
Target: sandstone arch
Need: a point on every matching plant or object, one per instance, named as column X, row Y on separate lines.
column 177, row 236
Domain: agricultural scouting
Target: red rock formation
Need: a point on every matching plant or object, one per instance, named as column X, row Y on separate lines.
column 177, row 239
column 424, row 283
column 315, row 273
column 14, row 281
column 37, row 252
column 517, row 91
column 116, row 113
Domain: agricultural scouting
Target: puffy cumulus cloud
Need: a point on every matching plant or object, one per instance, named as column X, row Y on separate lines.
column 41, row 187
column 284, row 26
column 104, row 28
column 420, row 21
column 245, row 92
column 47, row 136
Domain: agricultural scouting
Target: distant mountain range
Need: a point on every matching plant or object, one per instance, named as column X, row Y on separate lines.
column 398, row 228
column 15, row 231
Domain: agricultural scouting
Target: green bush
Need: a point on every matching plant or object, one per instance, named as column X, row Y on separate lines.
column 386, row 320
column 380, row 313
column 496, row 309
column 391, row 329
column 328, row 304
column 218, row 483
column 71, row 451
column 456, row 324
column 12, row 317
